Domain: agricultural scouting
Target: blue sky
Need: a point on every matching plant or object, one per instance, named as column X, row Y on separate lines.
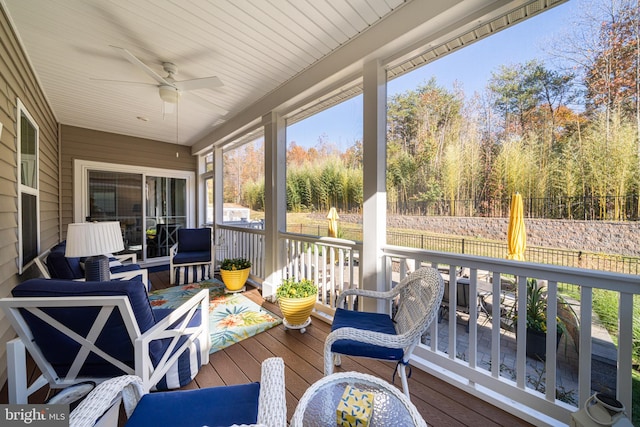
column 470, row 66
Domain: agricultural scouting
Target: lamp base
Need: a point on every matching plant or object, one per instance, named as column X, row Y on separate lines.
column 96, row 269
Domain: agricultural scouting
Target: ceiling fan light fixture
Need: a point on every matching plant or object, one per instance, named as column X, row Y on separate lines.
column 169, row 94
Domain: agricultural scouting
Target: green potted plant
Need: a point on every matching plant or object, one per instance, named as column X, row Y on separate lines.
column 537, row 302
column 234, row 273
column 297, row 298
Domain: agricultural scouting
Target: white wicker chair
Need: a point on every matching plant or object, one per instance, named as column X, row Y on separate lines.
column 101, row 406
column 379, row 336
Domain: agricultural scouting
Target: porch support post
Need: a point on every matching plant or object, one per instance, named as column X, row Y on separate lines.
column 374, row 220
column 275, row 205
column 218, row 203
column 218, row 186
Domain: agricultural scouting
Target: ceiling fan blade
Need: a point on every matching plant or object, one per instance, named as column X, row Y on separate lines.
column 206, row 104
column 203, row 83
column 135, row 61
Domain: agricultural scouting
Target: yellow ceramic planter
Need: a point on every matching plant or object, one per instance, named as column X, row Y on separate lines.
column 296, row 311
column 234, row 280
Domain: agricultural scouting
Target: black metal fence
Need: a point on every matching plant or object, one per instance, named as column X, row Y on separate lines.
column 616, row 208
column 471, row 246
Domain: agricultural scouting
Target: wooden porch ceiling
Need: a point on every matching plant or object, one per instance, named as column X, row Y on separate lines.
column 440, row 403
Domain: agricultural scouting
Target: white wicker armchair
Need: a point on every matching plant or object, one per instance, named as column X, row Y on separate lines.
column 101, row 407
column 379, row 336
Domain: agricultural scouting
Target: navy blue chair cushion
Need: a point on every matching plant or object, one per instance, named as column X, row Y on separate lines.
column 60, row 350
column 61, row 267
column 194, row 240
column 377, row 322
column 216, row 406
column 189, row 257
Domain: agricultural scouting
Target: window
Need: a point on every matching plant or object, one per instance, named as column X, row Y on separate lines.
column 243, row 180
column 28, row 197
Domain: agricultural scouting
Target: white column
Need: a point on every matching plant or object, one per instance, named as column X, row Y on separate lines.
column 374, row 221
column 218, row 205
column 275, row 203
column 218, row 186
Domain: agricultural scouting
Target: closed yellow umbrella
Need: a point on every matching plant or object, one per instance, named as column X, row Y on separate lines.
column 516, row 234
column 333, row 222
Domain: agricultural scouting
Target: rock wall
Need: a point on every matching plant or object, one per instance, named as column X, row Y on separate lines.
column 608, row 237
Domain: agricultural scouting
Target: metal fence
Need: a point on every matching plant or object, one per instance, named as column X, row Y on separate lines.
column 617, row 208
column 471, row 246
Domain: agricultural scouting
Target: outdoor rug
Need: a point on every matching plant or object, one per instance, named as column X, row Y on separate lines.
column 232, row 317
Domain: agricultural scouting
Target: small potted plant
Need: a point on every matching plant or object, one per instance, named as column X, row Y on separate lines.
column 234, row 273
column 537, row 302
column 297, row 298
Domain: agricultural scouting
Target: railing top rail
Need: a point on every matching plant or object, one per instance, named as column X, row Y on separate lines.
column 333, row 242
column 240, row 229
column 627, row 283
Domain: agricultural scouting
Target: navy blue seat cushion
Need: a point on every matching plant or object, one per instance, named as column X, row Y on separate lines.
column 194, row 240
column 376, row 322
column 216, row 406
column 190, row 257
column 114, row 339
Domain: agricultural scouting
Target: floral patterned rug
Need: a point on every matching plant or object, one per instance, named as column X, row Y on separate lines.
column 232, row 317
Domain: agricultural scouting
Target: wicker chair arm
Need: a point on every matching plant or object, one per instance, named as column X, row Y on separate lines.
column 388, row 295
column 272, row 405
column 126, row 387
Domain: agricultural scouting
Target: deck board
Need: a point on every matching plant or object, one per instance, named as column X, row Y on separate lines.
column 440, row 403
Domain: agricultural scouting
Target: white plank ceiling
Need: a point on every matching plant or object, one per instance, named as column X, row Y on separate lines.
column 253, row 46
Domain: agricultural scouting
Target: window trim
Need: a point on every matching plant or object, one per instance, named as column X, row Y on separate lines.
column 21, row 110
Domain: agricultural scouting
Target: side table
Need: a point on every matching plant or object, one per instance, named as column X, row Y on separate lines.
column 317, row 407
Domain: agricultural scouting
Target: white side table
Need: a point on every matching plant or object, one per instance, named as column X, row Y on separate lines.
column 317, row 407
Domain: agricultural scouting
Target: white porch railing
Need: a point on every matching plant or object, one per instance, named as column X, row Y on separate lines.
column 464, row 358
column 530, row 386
column 241, row 242
column 332, row 264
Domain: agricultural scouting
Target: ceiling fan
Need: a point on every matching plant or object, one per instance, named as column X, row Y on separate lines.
column 170, row 89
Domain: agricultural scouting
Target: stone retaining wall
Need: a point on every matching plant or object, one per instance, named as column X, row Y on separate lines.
column 607, row 237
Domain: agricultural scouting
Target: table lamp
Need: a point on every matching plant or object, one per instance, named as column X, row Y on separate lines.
column 94, row 240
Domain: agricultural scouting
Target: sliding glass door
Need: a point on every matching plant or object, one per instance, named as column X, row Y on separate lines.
column 166, row 213
column 151, row 205
column 116, row 196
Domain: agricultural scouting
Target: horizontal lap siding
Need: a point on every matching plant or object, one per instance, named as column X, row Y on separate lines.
column 17, row 80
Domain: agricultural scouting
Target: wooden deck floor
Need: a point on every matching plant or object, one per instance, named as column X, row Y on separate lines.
column 439, row 403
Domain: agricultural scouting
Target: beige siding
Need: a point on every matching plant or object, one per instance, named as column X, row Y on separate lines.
column 87, row 144
column 17, row 80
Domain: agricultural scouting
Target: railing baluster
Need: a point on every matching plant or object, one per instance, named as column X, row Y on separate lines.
column 584, row 358
column 552, row 333
column 521, row 333
column 496, row 314
column 625, row 348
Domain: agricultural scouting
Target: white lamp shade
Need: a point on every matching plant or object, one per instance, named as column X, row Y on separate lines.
column 87, row 239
